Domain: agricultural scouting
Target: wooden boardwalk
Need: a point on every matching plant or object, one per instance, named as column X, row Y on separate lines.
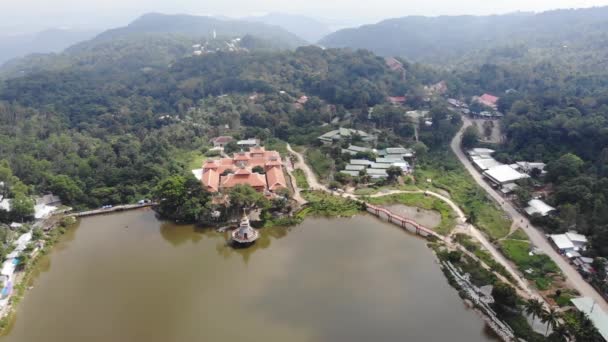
column 111, row 210
column 407, row 224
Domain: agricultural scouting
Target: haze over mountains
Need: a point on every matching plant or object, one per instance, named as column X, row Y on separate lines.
column 449, row 39
column 309, row 29
column 52, row 40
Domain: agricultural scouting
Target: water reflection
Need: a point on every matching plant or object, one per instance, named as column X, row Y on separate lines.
column 129, row 277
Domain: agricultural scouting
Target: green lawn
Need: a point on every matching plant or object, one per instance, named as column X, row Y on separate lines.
column 278, row 145
column 190, row 159
column 324, row 204
column 473, row 246
column 541, row 266
column 519, row 234
column 301, row 179
column 375, row 190
column 320, row 163
column 445, row 172
column 448, row 221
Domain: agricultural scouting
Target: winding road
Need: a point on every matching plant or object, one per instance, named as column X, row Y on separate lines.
column 314, row 183
column 536, row 236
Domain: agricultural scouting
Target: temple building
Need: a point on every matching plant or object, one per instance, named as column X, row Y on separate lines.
column 244, row 235
column 244, row 168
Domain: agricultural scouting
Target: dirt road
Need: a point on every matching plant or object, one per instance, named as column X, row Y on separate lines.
column 461, row 219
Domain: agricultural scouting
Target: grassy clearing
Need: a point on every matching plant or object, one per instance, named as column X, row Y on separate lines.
column 301, row 179
column 324, row 204
column 446, row 173
column 278, row 145
column 474, row 247
column 537, row 267
column 519, row 234
column 320, row 163
column 564, row 297
column 448, row 218
column 191, row 159
column 372, row 190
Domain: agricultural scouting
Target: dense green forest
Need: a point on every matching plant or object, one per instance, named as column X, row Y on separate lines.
column 473, row 40
column 105, row 121
column 154, row 41
column 96, row 134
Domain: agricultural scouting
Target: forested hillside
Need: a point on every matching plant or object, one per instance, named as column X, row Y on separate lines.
column 573, row 38
column 202, row 27
column 99, row 136
column 155, row 41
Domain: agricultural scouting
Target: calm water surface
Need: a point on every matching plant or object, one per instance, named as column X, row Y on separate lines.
column 128, row 277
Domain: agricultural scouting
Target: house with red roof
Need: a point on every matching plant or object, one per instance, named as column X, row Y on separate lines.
column 396, row 100
column 221, row 175
column 487, row 100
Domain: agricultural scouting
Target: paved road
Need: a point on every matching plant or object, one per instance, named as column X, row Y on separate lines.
column 536, row 236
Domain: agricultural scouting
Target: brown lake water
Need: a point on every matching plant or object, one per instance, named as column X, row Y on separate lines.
column 128, row 277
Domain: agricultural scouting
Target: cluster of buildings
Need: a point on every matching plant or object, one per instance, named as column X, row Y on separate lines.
column 570, row 245
column 261, row 169
column 231, row 45
column 346, row 133
column 394, row 156
column 501, row 175
column 220, row 142
column 44, row 206
column 9, row 266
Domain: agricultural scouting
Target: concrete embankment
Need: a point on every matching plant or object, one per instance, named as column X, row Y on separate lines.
column 112, row 209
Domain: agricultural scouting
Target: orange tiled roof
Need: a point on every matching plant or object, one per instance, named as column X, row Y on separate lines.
column 257, row 156
column 276, row 179
column 254, row 179
column 211, row 180
column 241, row 156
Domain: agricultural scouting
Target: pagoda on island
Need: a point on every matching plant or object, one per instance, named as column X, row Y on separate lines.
column 244, row 235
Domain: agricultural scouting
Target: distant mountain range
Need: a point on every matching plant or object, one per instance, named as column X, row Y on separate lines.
column 445, row 39
column 312, row 30
column 53, row 40
column 201, row 26
column 153, row 40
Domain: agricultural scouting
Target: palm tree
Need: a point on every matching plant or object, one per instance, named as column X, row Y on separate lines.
column 534, row 308
column 550, row 318
column 560, row 333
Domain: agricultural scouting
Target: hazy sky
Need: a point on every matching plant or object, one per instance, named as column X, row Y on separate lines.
column 106, row 13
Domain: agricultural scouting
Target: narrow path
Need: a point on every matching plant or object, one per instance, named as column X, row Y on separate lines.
column 461, row 219
column 297, row 196
column 536, row 236
column 313, row 182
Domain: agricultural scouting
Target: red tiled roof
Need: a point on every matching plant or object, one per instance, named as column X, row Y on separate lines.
column 393, row 64
column 210, row 164
column 276, row 179
column 242, row 171
column 254, row 179
column 241, row 156
column 257, row 156
column 274, row 162
column 396, row 99
column 487, row 98
column 222, row 140
column 211, row 180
